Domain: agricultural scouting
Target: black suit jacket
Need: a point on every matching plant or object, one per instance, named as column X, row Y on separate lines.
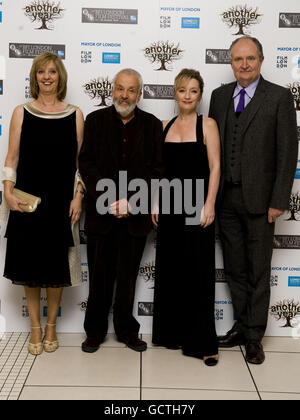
column 270, row 145
column 99, row 159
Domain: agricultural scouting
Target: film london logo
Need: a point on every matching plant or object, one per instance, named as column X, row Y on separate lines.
column 99, row 89
column 295, row 91
column 44, row 12
column 164, row 53
column 241, row 17
column 287, row 310
column 274, row 280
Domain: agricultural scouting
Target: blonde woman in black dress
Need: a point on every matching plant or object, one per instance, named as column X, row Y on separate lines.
column 44, row 141
column 185, row 254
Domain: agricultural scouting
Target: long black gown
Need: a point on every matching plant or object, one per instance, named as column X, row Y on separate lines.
column 38, row 242
column 185, row 262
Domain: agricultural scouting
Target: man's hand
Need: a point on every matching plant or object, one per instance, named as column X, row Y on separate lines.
column 120, row 208
column 273, row 214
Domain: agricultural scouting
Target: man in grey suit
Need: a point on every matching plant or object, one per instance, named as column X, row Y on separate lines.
column 258, row 129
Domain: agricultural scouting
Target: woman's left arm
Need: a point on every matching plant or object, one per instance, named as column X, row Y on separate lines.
column 212, row 142
column 76, row 203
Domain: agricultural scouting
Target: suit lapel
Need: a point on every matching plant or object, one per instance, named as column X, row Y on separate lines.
column 255, row 103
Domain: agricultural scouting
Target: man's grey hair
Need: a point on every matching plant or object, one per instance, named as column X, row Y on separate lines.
column 130, row 72
column 251, row 38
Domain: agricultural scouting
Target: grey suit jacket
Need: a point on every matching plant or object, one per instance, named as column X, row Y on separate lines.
column 270, row 145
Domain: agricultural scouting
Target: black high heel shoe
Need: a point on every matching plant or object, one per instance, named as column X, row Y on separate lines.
column 211, row 361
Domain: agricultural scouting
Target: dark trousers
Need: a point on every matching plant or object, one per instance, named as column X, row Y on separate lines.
column 113, row 260
column 247, row 242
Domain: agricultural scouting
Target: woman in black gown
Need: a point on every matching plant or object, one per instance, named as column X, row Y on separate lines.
column 44, row 141
column 185, row 254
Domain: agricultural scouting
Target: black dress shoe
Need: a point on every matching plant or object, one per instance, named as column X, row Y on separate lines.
column 233, row 338
column 90, row 345
column 134, row 343
column 254, row 352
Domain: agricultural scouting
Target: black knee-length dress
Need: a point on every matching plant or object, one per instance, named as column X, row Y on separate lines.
column 38, row 242
column 185, row 262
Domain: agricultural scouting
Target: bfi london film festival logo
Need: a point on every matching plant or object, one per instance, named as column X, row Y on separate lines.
column 289, row 20
column 287, row 311
column 286, row 242
column 145, row 308
column 44, row 13
column 100, row 90
column 20, row 50
column 112, row 16
column 241, row 17
column 164, row 53
column 217, row 56
column 152, row 91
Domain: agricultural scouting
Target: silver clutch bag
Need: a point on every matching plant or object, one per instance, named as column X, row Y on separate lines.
column 31, row 200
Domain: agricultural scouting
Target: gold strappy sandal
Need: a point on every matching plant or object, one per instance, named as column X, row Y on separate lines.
column 51, row 346
column 35, row 349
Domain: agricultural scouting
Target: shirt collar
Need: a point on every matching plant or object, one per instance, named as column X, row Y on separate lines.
column 250, row 90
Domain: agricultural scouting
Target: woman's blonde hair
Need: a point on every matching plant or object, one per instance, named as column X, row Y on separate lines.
column 185, row 75
column 41, row 61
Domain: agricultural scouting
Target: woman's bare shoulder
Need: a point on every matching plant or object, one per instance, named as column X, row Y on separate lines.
column 209, row 123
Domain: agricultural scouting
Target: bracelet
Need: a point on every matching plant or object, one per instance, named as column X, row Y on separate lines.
column 79, row 191
column 9, row 174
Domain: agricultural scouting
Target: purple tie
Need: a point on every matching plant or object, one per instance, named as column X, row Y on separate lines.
column 241, row 104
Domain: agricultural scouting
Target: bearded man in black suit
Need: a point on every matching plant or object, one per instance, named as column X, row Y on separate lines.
column 120, row 139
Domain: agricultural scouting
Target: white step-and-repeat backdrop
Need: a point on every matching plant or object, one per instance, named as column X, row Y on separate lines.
column 158, row 38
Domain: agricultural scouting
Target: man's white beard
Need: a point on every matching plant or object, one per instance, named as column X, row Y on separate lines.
column 124, row 112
